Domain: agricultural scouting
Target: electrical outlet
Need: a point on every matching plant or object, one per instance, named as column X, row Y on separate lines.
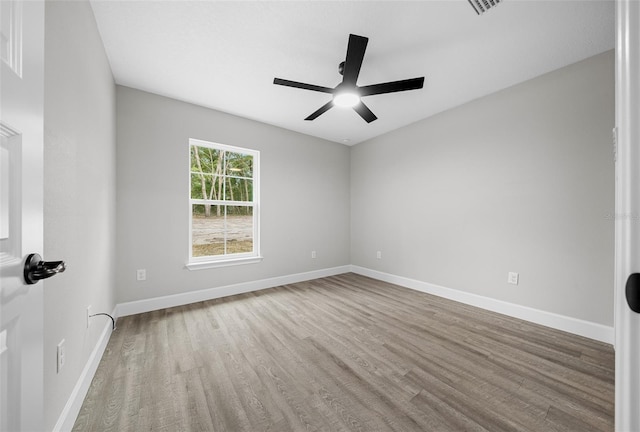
column 61, row 355
column 313, row 254
column 513, row 278
column 141, row 274
column 88, row 315
column 379, row 254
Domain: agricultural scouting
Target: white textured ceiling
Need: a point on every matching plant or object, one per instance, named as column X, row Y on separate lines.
column 225, row 54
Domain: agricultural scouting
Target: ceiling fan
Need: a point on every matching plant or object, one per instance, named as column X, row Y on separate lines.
column 348, row 93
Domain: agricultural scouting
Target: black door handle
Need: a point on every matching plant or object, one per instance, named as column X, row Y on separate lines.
column 633, row 292
column 35, row 269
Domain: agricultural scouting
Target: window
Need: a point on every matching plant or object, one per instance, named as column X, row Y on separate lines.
column 223, row 205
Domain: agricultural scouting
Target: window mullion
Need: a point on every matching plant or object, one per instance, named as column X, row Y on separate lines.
column 205, row 202
column 225, row 230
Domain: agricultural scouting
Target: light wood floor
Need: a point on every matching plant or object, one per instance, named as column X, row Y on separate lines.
column 346, row 353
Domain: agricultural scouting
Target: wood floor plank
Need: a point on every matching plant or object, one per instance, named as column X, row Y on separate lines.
column 346, row 353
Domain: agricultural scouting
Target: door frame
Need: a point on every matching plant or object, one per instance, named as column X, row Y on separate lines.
column 627, row 225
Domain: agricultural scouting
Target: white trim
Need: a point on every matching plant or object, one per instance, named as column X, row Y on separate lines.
column 148, row 305
column 71, row 409
column 254, row 204
column 560, row 322
column 202, row 265
column 627, row 255
column 223, row 202
column 74, row 403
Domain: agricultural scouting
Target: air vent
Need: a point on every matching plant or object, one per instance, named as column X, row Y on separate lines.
column 481, row 6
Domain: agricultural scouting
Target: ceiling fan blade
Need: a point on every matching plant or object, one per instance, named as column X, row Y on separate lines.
column 323, row 109
column 365, row 112
column 296, row 84
column 393, row 86
column 355, row 54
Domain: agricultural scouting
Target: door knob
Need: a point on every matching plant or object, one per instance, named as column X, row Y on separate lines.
column 35, row 269
column 633, row 292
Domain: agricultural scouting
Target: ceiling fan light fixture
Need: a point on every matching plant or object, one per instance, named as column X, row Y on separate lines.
column 348, row 93
column 346, row 99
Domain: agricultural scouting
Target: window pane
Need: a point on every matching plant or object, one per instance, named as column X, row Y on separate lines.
column 207, row 230
column 200, row 185
column 239, row 165
column 206, row 160
column 239, row 229
column 205, row 186
column 238, row 189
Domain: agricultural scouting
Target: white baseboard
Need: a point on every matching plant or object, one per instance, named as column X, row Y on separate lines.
column 71, row 410
column 572, row 325
column 148, row 305
column 560, row 322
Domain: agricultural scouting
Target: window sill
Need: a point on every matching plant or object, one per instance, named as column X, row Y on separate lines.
column 202, row 265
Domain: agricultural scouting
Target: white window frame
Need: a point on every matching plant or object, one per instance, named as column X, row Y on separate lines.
column 205, row 262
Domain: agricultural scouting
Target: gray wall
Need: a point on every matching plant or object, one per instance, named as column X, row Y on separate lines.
column 521, row 180
column 79, row 205
column 304, row 193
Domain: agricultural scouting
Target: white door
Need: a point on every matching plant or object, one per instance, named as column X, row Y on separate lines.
column 21, row 223
column 627, row 322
